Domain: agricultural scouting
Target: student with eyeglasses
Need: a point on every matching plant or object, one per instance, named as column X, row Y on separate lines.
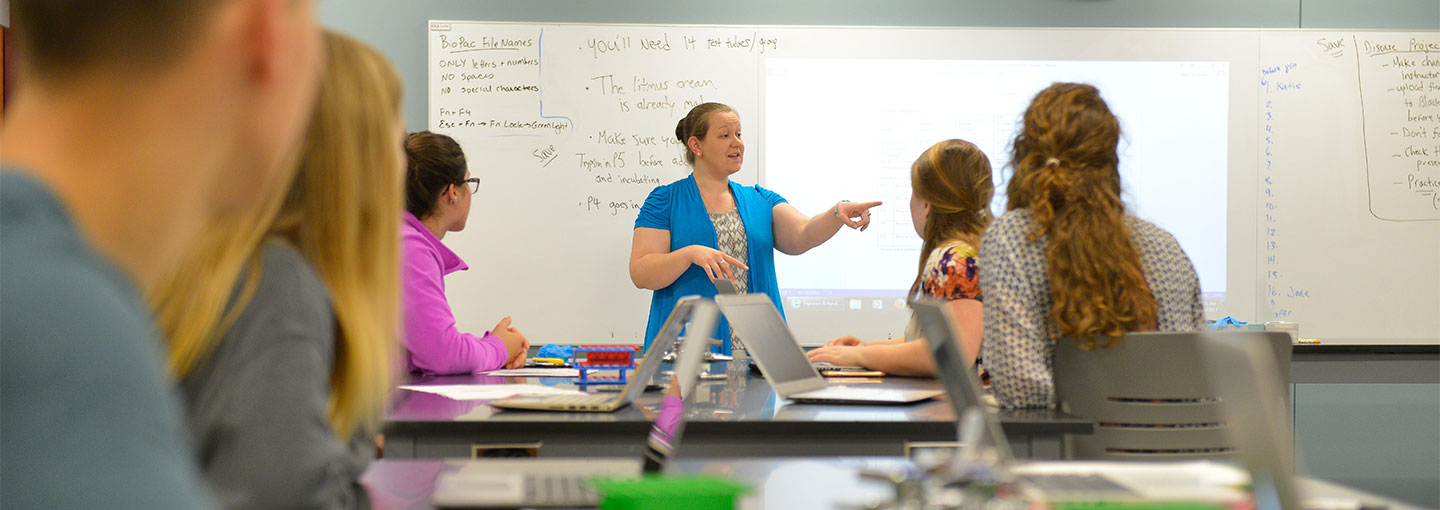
column 438, row 188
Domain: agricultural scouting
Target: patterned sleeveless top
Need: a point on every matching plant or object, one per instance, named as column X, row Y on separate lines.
column 732, row 240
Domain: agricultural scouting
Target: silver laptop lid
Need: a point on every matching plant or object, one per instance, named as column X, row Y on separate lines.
column 958, row 376
column 770, row 342
column 703, row 319
column 664, row 339
column 724, row 286
column 669, row 425
column 1243, row 368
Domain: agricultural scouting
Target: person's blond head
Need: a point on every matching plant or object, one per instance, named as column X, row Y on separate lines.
column 342, row 211
column 953, row 178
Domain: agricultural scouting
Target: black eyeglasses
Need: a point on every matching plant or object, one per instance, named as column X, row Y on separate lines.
column 474, row 184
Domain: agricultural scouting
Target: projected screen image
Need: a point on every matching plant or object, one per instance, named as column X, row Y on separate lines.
column 850, row 129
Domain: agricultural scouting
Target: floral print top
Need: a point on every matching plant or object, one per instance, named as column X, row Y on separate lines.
column 951, row 273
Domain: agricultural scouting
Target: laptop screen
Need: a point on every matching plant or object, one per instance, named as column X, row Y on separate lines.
column 766, row 336
column 669, row 420
column 669, row 333
column 945, row 349
column 1243, row 367
column 958, row 376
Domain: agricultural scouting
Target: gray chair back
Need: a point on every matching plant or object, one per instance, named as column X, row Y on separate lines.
column 1149, row 397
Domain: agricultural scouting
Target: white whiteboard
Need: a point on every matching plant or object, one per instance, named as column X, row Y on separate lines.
column 1350, row 242
column 570, row 126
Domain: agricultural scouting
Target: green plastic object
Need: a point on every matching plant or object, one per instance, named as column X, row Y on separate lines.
column 669, row 492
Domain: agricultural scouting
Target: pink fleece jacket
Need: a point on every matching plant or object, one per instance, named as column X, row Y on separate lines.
column 432, row 343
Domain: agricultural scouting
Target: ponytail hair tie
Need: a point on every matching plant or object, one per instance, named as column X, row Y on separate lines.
column 1052, row 161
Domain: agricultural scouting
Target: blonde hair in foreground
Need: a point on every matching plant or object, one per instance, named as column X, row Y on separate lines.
column 342, row 212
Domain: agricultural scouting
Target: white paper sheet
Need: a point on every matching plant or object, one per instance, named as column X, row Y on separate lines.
column 536, row 372
column 490, row 391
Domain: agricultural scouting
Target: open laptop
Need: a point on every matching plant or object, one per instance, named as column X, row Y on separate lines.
column 957, row 375
column 725, row 286
column 562, row 483
column 1062, row 481
column 782, row 361
column 1252, row 394
column 608, row 402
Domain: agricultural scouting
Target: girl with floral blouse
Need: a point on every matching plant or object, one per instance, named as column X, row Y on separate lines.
column 950, row 207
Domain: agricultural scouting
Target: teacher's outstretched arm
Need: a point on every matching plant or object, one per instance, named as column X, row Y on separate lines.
column 653, row 266
column 796, row 234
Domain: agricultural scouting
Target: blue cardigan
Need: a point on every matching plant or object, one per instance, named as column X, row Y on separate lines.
column 677, row 207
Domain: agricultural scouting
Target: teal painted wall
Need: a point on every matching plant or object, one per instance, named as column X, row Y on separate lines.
column 1406, row 14
column 1383, row 438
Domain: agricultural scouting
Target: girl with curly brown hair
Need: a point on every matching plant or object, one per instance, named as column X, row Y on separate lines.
column 1065, row 262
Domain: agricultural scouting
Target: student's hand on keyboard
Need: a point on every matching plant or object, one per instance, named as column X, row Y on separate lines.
column 838, row 355
column 845, row 341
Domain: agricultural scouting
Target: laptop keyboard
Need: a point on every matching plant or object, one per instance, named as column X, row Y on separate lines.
column 1074, row 483
column 558, row 490
column 581, row 401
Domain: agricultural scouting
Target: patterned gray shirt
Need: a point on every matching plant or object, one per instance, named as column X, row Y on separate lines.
column 732, row 239
column 1017, row 347
column 730, row 234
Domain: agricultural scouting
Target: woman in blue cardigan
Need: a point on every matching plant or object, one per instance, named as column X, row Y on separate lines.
column 706, row 227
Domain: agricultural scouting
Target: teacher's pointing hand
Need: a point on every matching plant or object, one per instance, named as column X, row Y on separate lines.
column 855, row 214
